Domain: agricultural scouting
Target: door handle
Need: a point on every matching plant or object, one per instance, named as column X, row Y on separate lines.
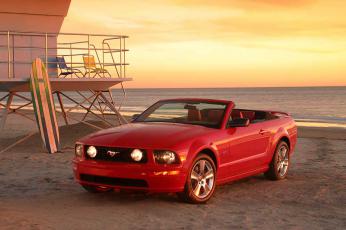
column 263, row 131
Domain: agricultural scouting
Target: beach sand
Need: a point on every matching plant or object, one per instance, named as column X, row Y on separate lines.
column 38, row 191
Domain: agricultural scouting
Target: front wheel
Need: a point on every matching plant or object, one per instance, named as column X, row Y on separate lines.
column 278, row 167
column 200, row 184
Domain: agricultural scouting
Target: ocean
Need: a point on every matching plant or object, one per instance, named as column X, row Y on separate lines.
column 305, row 104
column 320, row 104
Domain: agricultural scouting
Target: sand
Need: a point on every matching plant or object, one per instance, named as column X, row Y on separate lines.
column 38, row 191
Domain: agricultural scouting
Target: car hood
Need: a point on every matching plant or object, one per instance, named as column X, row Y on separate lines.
column 146, row 135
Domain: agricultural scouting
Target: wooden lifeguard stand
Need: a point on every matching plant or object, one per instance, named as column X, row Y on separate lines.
column 88, row 65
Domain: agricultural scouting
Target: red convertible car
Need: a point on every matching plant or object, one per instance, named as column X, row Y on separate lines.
column 186, row 146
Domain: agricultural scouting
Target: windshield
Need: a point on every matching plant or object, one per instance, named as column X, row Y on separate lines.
column 185, row 112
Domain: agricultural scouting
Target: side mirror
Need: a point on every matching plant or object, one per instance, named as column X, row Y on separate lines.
column 239, row 122
column 135, row 116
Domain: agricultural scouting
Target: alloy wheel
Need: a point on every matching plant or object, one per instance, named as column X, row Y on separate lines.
column 282, row 161
column 202, row 178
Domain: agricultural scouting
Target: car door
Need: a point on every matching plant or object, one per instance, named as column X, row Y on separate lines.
column 247, row 148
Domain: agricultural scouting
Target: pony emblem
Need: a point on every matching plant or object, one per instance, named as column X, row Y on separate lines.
column 112, row 153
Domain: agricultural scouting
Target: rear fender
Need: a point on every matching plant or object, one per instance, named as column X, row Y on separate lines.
column 282, row 132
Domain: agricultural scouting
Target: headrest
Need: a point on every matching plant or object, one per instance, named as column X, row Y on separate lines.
column 194, row 115
column 248, row 114
column 215, row 115
column 236, row 114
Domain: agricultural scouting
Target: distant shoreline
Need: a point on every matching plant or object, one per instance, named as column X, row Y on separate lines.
column 313, row 123
column 241, row 87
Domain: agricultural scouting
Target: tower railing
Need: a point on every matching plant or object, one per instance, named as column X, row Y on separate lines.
column 84, row 55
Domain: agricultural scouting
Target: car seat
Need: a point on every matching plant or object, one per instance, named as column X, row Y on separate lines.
column 194, row 115
column 248, row 114
column 236, row 114
column 214, row 115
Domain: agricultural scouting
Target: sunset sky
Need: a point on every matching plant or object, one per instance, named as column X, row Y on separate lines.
column 223, row 43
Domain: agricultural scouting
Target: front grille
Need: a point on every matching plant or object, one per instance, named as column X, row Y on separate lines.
column 120, row 154
column 113, row 181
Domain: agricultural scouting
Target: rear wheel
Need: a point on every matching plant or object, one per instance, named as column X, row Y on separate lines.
column 96, row 189
column 279, row 165
column 200, row 184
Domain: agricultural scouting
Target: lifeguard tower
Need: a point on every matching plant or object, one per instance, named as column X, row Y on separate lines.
column 89, row 65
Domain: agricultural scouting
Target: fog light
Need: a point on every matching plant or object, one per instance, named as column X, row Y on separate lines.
column 79, row 150
column 137, row 155
column 92, row 151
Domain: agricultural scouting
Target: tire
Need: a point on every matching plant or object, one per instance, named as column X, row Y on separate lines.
column 200, row 185
column 280, row 163
column 96, row 189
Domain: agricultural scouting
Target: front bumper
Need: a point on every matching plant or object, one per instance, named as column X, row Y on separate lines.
column 148, row 177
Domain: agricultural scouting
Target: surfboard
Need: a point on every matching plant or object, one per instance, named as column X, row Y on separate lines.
column 44, row 108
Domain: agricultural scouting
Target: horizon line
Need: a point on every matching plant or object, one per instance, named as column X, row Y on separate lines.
column 241, row 87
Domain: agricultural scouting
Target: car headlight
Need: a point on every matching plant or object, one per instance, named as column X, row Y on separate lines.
column 79, row 150
column 137, row 155
column 92, row 151
column 165, row 157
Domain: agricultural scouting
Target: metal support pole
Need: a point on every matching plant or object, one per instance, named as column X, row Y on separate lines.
column 62, row 107
column 8, row 54
column 91, row 105
column 124, row 58
column 121, row 66
column 71, row 56
column 13, row 72
column 124, row 95
column 88, row 56
column 121, row 119
column 84, row 107
column 46, row 51
column 103, row 55
column 6, row 110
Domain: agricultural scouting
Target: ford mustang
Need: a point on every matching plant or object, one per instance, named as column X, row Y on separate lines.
column 186, row 146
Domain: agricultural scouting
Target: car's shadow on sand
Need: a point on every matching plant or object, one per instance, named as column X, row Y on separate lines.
column 247, row 185
column 123, row 197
